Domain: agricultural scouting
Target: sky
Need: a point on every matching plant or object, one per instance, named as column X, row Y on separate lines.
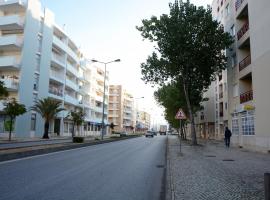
column 105, row 30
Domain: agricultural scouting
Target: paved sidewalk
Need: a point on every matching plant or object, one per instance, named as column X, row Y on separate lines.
column 213, row 172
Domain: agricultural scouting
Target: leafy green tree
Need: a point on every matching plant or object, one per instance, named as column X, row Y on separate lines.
column 13, row 109
column 48, row 109
column 77, row 118
column 3, row 90
column 189, row 49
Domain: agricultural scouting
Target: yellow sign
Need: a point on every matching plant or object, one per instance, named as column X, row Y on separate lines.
column 248, row 107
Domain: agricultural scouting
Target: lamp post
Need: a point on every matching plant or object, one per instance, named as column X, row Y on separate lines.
column 104, row 91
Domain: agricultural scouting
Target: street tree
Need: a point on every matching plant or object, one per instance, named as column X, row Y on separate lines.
column 77, row 117
column 3, row 90
column 48, row 109
column 12, row 110
column 189, row 48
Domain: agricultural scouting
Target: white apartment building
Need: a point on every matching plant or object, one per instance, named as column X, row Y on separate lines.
column 143, row 121
column 37, row 60
column 241, row 91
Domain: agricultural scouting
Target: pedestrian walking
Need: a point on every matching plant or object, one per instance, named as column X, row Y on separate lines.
column 228, row 135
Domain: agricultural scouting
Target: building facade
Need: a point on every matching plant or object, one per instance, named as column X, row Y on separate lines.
column 241, row 100
column 121, row 109
column 38, row 60
column 143, row 121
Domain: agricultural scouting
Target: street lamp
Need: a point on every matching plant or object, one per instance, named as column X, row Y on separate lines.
column 104, row 91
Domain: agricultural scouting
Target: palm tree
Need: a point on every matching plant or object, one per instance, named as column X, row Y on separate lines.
column 47, row 108
column 3, row 90
column 78, row 118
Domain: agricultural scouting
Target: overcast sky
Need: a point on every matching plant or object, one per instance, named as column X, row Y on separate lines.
column 105, row 30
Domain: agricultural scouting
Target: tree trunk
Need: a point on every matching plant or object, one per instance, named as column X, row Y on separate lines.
column 10, row 128
column 46, row 130
column 193, row 131
column 73, row 129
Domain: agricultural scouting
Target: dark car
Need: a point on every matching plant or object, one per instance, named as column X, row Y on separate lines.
column 149, row 134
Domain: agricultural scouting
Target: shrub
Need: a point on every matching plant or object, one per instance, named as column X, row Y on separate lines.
column 78, row 139
column 97, row 138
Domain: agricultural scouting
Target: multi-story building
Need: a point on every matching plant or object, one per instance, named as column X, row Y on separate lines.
column 143, row 121
column 241, row 97
column 37, row 60
column 205, row 118
column 121, row 108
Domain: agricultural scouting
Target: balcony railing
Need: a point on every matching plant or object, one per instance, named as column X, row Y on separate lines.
column 238, row 3
column 243, row 30
column 56, row 91
column 244, row 63
column 247, row 96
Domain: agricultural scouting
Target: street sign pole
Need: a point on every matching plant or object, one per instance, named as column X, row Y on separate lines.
column 180, row 137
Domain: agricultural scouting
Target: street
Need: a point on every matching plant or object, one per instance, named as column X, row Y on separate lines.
column 130, row 169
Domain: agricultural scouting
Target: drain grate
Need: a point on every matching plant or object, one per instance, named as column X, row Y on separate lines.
column 160, row 166
column 210, row 156
column 228, row 160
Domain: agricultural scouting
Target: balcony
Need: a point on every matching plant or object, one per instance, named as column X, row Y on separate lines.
column 12, row 84
column 238, row 4
column 60, row 43
column 72, row 69
column 13, row 5
column 243, row 30
column 58, row 60
column 247, row 96
column 55, row 92
column 11, row 22
column 244, row 63
column 11, row 43
column 57, row 76
column 9, row 62
column 72, row 85
column 71, row 100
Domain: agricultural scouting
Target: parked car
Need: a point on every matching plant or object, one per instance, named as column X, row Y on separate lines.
column 149, row 134
column 123, row 134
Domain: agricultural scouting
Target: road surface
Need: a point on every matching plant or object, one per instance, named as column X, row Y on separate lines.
column 129, row 170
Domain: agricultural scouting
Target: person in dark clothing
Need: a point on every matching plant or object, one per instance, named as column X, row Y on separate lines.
column 228, row 135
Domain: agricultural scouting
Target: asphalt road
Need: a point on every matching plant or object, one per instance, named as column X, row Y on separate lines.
column 124, row 170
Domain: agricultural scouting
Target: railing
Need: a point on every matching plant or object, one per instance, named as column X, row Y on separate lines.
column 57, row 74
column 243, row 30
column 10, row 83
column 56, row 91
column 244, row 63
column 247, row 96
column 58, row 58
column 238, row 3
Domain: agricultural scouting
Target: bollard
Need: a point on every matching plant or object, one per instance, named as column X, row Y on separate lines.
column 267, row 186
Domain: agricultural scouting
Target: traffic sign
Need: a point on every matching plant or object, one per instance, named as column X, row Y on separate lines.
column 180, row 114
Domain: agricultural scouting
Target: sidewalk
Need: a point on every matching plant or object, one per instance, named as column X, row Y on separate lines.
column 210, row 171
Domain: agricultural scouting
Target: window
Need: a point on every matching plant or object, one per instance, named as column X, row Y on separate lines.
column 234, row 61
column 33, row 122
column 227, row 10
column 248, row 123
column 235, row 125
column 226, row 106
column 65, row 127
column 35, row 96
column 232, row 31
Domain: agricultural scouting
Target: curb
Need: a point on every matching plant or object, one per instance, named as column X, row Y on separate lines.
column 12, row 156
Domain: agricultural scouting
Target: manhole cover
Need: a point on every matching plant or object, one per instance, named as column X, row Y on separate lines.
column 160, row 166
column 210, row 156
column 228, row 160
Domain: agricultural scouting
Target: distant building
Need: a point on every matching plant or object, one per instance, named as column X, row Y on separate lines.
column 143, row 121
column 121, row 109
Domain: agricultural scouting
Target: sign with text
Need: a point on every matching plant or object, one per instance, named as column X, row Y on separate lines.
column 180, row 114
